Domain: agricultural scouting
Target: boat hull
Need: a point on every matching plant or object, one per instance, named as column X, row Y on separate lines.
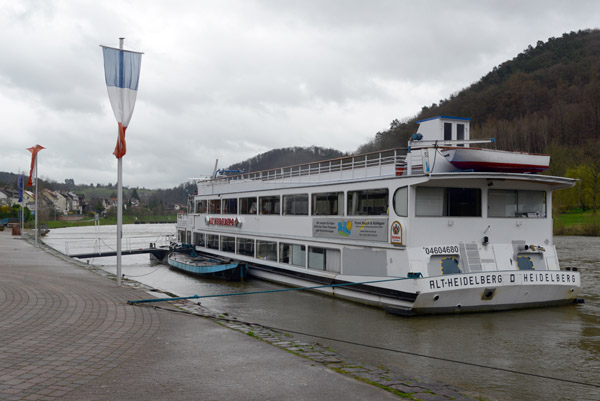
column 489, row 160
column 448, row 294
column 205, row 267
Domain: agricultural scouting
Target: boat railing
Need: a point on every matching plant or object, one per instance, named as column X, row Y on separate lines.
column 381, row 162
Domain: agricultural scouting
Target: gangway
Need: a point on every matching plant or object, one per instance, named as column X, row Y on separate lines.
column 159, row 253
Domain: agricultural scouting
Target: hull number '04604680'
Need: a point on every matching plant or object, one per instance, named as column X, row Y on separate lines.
column 441, row 250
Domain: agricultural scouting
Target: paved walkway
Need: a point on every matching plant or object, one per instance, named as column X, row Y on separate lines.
column 67, row 333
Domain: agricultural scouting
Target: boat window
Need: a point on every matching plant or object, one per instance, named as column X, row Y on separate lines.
column 401, row 201
column 456, row 202
column 447, row 131
column 266, row 250
column 201, row 206
column 460, row 133
column 324, row 259
column 372, row 202
column 230, row 206
column 328, row 204
column 245, row 246
column 515, row 203
column 292, row 254
column 270, row 205
column 212, row 241
column 228, row 244
column 248, row 205
column 200, row 239
column 295, row 204
column 214, row 206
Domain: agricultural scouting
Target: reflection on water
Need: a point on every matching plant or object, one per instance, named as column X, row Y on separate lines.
column 562, row 342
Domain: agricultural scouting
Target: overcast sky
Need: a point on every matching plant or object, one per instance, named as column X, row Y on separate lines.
column 231, row 79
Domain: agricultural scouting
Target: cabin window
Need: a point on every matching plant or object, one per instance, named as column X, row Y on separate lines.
column 228, row 244
column 295, row 204
column 270, row 205
column 248, row 205
column 214, row 206
column 328, row 204
column 212, row 241
column 266, row 250
column 372, row 202
column 230, row 206
column 447, row 131
column 292, row 254
column 324, row 259
column 181, row 236
column 460, row 133
column 245, row 246
column 200, row 239
column 455, row 202
column 401, row 201
column 201, row 206
column 515, row 203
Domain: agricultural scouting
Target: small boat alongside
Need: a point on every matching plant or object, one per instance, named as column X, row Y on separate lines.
column 411, row 230
column 185, row 259
column 477, row 159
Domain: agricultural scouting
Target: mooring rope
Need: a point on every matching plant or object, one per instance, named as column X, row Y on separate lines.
column 262, row 292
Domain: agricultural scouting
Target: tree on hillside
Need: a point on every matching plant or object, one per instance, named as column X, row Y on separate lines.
column 544, row 100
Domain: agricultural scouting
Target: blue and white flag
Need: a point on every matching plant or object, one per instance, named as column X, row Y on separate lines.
column 122, row 73
column 20, row 186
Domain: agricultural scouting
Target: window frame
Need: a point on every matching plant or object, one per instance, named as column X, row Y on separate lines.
column 448, row 202
column 296, row 204
column 363, row 201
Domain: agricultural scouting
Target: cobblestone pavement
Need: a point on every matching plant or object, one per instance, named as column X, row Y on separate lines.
column 61, row 328
column 66, row 333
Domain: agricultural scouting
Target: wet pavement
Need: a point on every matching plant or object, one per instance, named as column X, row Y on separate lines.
column 67, row 333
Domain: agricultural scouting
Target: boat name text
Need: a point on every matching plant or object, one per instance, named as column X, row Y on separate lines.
column 494, row 278
column 223, row 221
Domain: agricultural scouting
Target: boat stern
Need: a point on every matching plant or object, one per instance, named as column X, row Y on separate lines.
column 495, row 291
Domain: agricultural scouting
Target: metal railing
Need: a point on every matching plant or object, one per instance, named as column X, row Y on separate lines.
column 100, row 245
column 379, row 159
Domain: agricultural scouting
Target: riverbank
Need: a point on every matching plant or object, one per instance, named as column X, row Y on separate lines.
column 578, row 223
column 69, row 334
column 112, row 220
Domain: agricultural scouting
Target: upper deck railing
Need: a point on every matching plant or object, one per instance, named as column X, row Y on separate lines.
column 391, row 160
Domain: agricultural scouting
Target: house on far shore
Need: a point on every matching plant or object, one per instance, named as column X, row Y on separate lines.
column 56, row 201
column 3, row 197
column 10, row 197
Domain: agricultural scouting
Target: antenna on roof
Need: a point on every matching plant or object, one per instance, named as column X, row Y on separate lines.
column 214, row 173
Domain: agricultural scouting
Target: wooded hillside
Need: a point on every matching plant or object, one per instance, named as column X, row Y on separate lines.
column 286, row 157
column 545, row 100
column 547, row 95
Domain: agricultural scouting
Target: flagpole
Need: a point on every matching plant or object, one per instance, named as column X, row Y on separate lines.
column 22, row 203
column 36, row 200
column 119, row 199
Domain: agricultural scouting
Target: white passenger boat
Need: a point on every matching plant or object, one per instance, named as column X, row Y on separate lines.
column 402, row 229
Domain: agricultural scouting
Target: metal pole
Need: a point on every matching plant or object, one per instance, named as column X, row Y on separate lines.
column 36, row 200
column 22, row 186
column 23, row 208
column 119, row 198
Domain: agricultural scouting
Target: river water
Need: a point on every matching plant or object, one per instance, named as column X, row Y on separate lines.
column 558, row 342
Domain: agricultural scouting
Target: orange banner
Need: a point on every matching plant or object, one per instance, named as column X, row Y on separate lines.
column 34, row 151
